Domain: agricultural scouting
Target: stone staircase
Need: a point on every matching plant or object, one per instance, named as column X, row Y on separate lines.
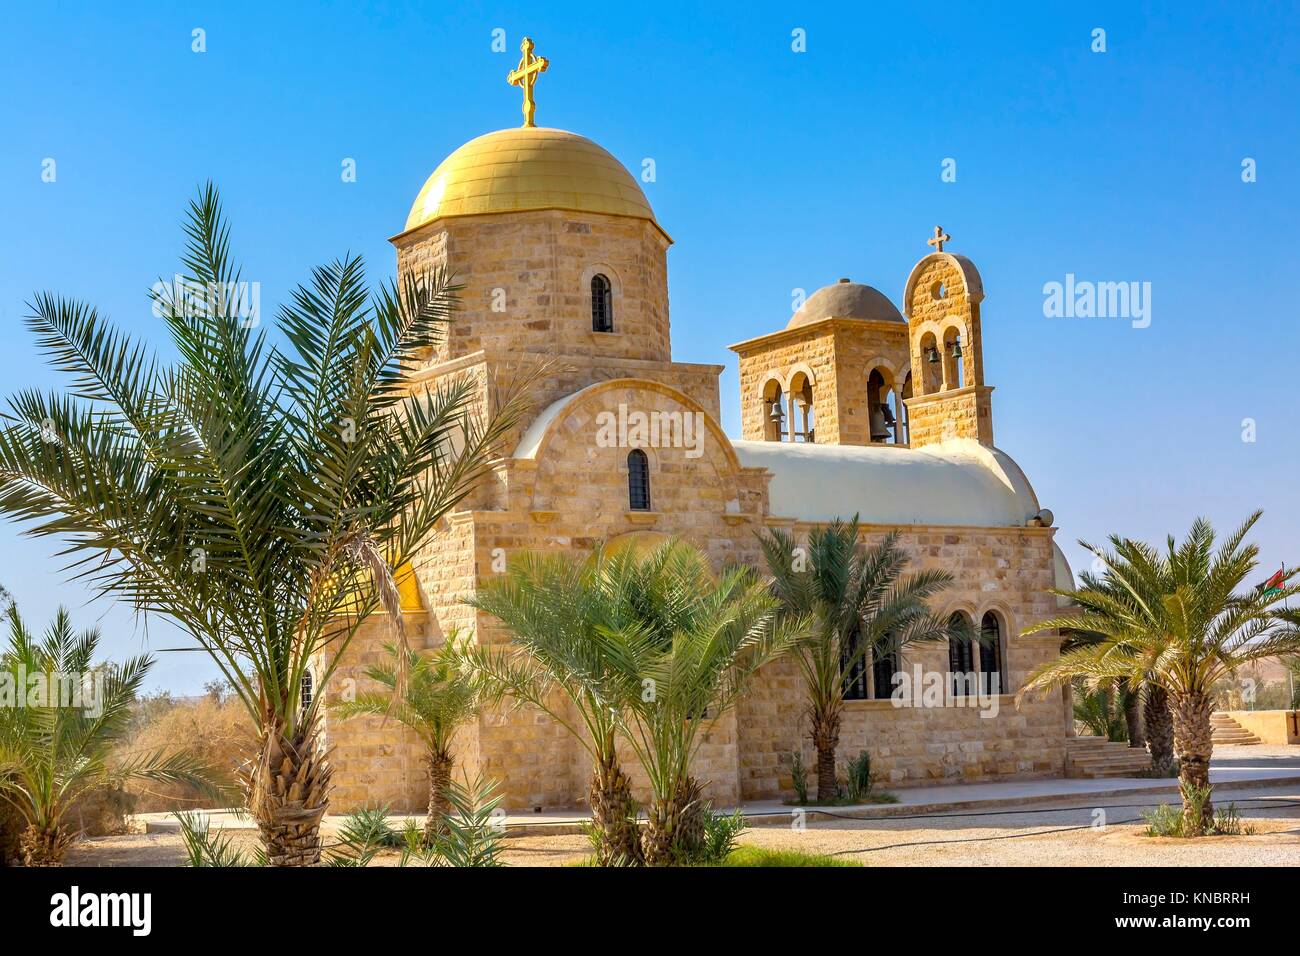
column 1099, row 757
column 1228, row 731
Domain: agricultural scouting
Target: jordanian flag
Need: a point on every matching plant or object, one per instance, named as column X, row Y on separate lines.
column 1274, row 584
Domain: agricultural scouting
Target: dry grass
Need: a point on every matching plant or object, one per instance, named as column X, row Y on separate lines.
column 215, row 727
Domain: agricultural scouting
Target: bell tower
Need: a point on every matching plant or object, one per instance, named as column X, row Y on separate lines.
column 942, row 304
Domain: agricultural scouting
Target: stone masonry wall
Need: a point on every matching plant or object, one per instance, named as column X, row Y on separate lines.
column 1007, row 571
column 964, row 413
column 840, row 354
column 527, row 282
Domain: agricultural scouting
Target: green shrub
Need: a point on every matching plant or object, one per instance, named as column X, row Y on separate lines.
column 362, row 835
column 1228, row 822
column 859, row 780
column 1167, row 820
column 799, row 774
column 721, row 836
column 207, row 847
column 474, row 837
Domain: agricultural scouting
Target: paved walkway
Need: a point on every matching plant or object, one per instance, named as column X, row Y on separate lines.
column 1235, row 766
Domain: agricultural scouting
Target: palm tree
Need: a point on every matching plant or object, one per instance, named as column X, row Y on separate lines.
column 1180, row 619
column 258, row 495
column 1095, row 708
column 862, row 603
column 684, row 646
column 552, row 606
column 1157, row 724
column 57, row 738
column 440, row 696
column 1158, row 728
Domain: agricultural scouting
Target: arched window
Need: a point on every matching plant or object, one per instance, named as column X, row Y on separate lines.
column 931, row 365
column 954, row 367
column 602, row 304
column 961, row 658
column 638, row 480
column 882, row 419
column 773, row 412
column 884, row 665
column 803, row 423
column 991, row 653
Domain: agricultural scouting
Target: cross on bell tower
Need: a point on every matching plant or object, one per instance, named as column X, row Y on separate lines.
column 940, row 237
column 525, row 76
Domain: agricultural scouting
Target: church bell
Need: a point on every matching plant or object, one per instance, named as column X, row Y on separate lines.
column 880, row 423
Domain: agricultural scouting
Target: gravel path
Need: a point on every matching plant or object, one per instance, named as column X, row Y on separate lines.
column 1062, row 834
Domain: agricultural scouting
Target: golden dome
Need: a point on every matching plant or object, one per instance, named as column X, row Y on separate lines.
column 513, row 170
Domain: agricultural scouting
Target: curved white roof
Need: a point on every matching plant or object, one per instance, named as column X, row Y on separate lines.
column 959, row 482
column 1064, row 577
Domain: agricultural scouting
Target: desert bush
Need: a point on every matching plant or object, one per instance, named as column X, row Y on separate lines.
column 214, row 727
column 1191, row 820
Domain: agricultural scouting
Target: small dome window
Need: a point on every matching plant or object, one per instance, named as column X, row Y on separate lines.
column 638, row 481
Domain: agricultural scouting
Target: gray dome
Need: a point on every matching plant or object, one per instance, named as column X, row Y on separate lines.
column 845, row 300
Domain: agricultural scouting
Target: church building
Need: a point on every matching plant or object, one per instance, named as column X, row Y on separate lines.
column 855, row 405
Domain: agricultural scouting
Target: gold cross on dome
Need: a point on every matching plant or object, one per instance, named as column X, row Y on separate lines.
column 939, row 239
column 525, row 75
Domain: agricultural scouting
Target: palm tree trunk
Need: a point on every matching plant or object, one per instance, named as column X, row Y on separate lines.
column 613, row 814
column 1159, row 726
column 1132, row 716
column 826, row 739
column 44, row 846
column 435, row 824
column 289, row 794
column 1192, row 741
column 675, row 825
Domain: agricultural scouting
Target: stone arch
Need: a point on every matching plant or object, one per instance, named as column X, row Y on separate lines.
column 939, row 267
column 883, row 417
column 801, row 410
column 800, row 368
column 652, row 460
column 955, row 344
column 773, row 396
column 930, row 360
column 553, row 425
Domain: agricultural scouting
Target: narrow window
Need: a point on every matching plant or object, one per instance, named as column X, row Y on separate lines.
column 961, row 659
column 884, row 666
column 602, row 304
column 638, row 480
column 854, row 666
column 991, row 653
column 307, row 692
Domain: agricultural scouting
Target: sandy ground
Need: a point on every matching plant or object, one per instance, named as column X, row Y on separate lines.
column 1064, row 834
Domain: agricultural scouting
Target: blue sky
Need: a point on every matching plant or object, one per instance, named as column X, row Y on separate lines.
column 776, row 170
